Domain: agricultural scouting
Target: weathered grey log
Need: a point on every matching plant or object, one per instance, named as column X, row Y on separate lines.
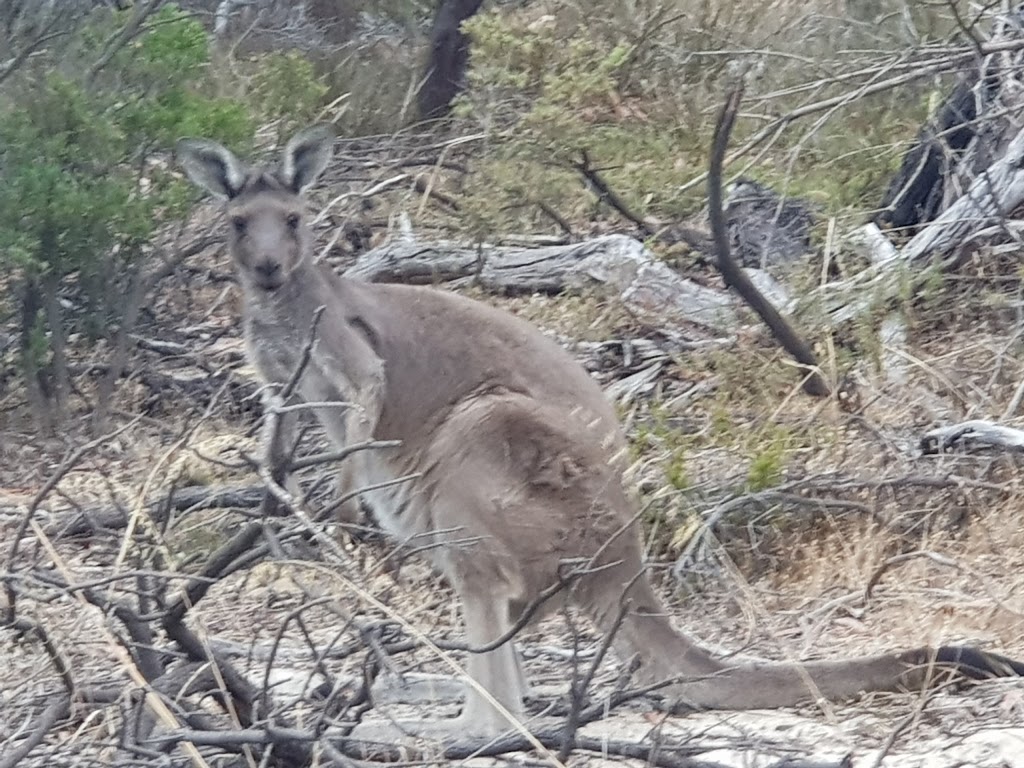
column 972, row 434
column 617, row 264
column 993, row 195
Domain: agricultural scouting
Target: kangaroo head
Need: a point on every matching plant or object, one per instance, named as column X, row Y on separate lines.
column 268, row 234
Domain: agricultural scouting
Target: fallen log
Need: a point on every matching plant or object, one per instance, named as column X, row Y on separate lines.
column 973, row 435
column 995, row 193
column 616, row 264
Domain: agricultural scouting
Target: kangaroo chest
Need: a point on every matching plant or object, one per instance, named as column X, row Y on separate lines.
column 348, row 410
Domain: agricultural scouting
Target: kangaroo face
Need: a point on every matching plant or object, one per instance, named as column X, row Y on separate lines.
column 268, row 237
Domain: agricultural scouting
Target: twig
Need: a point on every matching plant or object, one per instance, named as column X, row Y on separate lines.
column 425, row 187
column 142, row 645
column 191, row 498
column 607, row 195
column 32, row 627
column 307, row 351
column 901, row 726
column 66, row 466
column 131, row 30
column 341, row 454
column 59, row 709
column 199, row 585
column 12, row 65
column 578, row 688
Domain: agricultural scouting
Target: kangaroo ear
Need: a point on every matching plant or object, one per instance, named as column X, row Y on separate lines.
column 306, row 156
column 211, row 166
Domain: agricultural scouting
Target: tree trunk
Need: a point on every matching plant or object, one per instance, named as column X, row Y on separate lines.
column 31, row 303
column 137, row 290
column 58, row 345
column 446, row 63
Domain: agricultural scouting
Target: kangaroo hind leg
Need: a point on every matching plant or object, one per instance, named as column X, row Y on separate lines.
column 494, row 692
column 497, row 681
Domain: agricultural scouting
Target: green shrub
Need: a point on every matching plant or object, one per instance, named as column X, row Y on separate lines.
column 286, row 87
column 80, row 197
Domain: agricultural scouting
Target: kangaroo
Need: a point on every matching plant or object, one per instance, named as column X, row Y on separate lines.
column 518, row 457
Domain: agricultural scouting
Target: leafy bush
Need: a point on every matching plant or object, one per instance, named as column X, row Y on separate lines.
column 82, row 192
column 286, row 86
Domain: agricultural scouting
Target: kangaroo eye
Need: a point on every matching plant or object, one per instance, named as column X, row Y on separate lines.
column 238, row 222
column 293, row 220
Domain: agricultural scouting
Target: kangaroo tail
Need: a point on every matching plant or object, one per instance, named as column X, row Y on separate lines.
column 643, row 629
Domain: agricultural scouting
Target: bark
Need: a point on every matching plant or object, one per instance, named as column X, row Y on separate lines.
column 972, row 435
column 58, row 345
column 31, row 303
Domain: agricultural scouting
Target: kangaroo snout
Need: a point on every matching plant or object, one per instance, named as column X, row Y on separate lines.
column 268, row 273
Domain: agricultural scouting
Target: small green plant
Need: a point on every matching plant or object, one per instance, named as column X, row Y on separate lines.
column 675, row 470
column 766, row 467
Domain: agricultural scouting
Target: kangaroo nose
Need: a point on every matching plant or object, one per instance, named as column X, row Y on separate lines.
column 268, row 269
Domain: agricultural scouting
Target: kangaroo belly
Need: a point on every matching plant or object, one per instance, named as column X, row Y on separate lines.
column 389, row 494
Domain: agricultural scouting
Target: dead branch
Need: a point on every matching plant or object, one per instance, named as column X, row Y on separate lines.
column 814, row 383
column 58, row 710
column 578, row 687
column 27, row 50
column 596, row 182
column 424, row 187
column 200, row 584
column 192, row 498
column 935, row 557
column 331, row 457
column 60, row 663
column 140, row 633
